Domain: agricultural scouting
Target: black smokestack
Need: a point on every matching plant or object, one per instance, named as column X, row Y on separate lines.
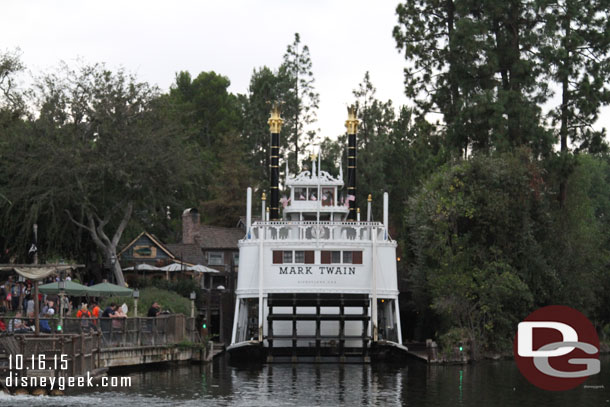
column 275, row 126
column 352, row 128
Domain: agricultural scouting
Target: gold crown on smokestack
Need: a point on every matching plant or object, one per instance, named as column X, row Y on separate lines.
column 352, row 121
column 275, row 121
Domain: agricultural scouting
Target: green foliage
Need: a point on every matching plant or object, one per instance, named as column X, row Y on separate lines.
column 265, row 88
column 575, row 41
column 491, row 244
column 490, row 222
column 168, row 300
column 93, row 156
column 475, row 64
column 207, row 114
column 450, row 340
column 300, row 100
column 577, row 244
column 474, row 228
column 184, row 287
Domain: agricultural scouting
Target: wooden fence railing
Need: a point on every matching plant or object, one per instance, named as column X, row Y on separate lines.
column 121, row 332
column 58, row 355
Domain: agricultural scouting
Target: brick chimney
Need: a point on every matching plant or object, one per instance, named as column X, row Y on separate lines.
column 190, row 225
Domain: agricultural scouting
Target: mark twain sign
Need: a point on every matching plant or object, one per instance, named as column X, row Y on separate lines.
column 335, row 270
column 312, row 276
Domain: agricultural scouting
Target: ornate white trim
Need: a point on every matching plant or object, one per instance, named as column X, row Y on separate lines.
column 254, row 293
column 308, row 179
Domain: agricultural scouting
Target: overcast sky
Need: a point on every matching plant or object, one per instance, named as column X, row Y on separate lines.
column 156, row 39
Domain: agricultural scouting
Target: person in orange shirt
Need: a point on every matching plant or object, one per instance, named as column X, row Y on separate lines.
column 83, row 312
column 96, row 312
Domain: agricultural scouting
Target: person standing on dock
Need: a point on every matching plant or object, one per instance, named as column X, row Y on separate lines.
column 154, row 310
column 83, row 312
column 44, row 322
column 29, row 308
column 109, row 311
column 95, row 312
column 96, row 309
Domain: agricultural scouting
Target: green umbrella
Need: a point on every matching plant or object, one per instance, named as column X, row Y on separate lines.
column 109, row 290
column 71, row 288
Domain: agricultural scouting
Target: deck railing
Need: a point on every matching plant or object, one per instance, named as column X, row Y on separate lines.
column 76, row 348
column 56, row 354
column 123, row 332
column 313, row 230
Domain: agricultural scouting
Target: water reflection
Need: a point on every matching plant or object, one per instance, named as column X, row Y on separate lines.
column 218, row 384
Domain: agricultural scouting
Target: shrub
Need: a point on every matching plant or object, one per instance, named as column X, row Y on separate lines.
column 168, row 300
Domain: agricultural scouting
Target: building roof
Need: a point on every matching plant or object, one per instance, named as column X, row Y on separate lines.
column 188, row 253
column 216, row 237
column 153, row 239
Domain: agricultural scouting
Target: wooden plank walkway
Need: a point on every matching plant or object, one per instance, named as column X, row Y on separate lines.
column 89, row 345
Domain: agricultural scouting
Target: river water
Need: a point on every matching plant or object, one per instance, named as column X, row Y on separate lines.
column 218, row 384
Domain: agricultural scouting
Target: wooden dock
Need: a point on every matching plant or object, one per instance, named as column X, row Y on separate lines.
column 92, row 346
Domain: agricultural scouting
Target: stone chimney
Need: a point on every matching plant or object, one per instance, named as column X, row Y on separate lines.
column 190, row 225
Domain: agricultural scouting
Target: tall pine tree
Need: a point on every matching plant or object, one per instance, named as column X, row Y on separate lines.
column 300, row 98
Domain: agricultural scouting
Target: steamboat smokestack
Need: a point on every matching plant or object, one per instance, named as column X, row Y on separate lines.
column 352, row 128
column 275, row 126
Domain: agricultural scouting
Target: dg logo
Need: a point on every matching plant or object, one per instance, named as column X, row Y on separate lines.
column 556, row 348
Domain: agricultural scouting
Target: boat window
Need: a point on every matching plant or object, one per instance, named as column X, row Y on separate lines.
column 299, row 257
column 337, row 257
column 287, row 257
column 300, row 194
column 216, row 258
column 328, row 196
column 309, row 257
column 277, row 257
column 352, row 257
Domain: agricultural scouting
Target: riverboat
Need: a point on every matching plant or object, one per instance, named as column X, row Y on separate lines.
column 316, row 283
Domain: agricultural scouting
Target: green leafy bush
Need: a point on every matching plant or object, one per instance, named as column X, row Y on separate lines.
column 168, row 300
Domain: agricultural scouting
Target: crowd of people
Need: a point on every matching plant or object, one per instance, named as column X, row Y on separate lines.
column 19, row 298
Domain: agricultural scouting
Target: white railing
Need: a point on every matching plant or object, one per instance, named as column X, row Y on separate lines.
column 313, row 230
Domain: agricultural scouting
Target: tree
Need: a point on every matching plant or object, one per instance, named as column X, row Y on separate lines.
column 11, row 99
column 576, row 47
column 478, row 230
column 266, row 87
column 376, row 121
column 98, row 154
column 300, row 98
column 12, row 112
column 205, row 107
column 476, row 65
column 211, row 116
column 233, row 176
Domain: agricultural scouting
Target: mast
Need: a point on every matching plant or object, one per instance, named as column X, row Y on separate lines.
column 352, row 128
column 275, row 126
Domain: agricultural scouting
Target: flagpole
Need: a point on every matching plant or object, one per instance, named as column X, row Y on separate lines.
column 319, row 196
